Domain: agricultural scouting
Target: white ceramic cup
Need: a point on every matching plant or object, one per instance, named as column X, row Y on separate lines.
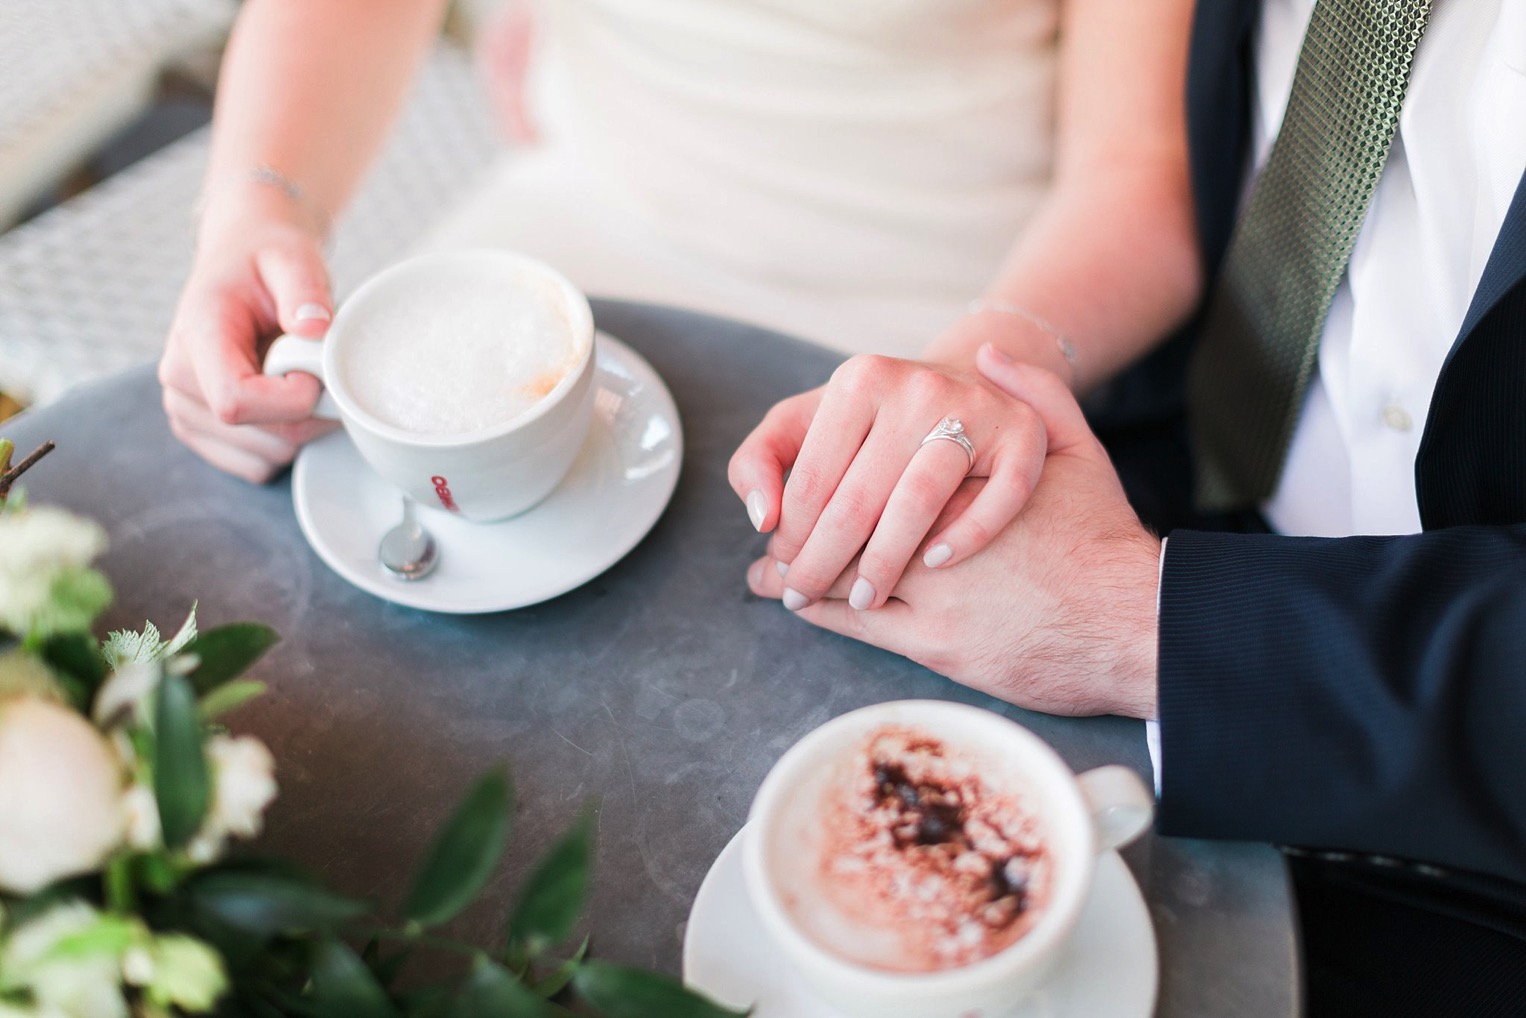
column 1080, row 816
column 482, row 475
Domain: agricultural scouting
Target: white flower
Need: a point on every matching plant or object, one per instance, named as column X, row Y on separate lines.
column 243, row 784
column 41, row 550
column 60, row 795
column 79, row 983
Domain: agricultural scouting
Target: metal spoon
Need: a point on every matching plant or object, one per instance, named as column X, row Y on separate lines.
column 407, row 551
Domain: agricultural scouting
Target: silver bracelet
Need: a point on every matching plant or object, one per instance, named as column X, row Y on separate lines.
column 269, row 176
column 1066, row 347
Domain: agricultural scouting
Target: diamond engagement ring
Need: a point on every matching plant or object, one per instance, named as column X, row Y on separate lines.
column 952, row 429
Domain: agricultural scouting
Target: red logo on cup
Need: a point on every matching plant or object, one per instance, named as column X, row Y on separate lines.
column 442, row 491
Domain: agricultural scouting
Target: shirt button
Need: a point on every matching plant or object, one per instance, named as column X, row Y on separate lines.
column 1397, row 418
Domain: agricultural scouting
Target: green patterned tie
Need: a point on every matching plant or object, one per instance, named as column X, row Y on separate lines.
column 1261, row 334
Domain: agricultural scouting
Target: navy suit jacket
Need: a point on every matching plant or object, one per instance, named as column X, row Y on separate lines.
column 1365, row 694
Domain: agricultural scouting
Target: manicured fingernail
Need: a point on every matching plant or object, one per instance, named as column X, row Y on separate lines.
column 937, row 555
column 999, row 355
column 313, row 313
column 756, row 509
column 755, row 575
column 781, row 567
column 794, row 600
column 862, row 594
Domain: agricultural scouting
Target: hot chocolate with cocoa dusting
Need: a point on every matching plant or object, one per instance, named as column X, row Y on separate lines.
column 928, row 859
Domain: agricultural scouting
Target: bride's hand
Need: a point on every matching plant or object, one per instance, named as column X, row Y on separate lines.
column 862, row 479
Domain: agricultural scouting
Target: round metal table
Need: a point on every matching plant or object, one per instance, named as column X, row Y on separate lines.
column 662, row 688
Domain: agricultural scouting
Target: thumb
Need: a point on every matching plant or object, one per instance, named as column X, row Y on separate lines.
column 757, row 468
column 298, row 281
column 1044, row 391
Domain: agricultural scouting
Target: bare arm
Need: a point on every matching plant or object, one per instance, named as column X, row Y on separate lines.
column 308, row 90
column 1111, row 258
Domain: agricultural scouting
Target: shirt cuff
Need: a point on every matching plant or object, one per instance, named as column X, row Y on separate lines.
column 1152, row 727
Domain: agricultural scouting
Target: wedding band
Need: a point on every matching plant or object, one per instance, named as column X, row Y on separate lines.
column 951, row 429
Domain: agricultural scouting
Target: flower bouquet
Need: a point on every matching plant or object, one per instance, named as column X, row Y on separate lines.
column 121, row 793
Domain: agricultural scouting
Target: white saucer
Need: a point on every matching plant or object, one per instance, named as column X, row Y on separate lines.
column 614, row 493
column 1111, row 971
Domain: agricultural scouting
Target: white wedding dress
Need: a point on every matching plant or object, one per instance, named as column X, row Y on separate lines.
column 849, row 171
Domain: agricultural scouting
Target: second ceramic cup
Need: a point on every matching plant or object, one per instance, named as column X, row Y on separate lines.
column 483, row 473
column 799, row 803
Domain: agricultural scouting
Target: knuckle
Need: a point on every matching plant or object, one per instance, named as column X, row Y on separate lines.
column 976, row 533
column 786, row 546
column 928, row 387
column 258, row 473
column 852, row 511
column 878, row 567
column 924, row 492
column 863, row 371
column 228, row 407
column 1016, row 486
column 808, row 490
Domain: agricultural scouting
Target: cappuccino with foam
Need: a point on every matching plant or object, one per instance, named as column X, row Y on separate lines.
column 459, row 354
column 465, row 378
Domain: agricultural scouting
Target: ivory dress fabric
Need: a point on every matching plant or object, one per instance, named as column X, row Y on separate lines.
column 849, row 171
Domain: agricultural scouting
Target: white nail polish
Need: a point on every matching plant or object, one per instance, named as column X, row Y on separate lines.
column 794, row 600
column 781, row 567
column 756, row 509
column 937, row 555
column 312, row 312
column 862, row 594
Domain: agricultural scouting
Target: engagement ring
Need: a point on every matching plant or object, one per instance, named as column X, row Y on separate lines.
column 952, row 429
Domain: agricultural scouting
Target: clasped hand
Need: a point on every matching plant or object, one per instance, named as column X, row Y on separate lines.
column 863, row 483
column 1056, row 611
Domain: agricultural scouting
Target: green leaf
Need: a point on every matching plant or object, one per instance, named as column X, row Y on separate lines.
column 430, row 1001
column 229, row 696
column 618, row 992
column 77, row 595
column 464, row 852
column 182, row 785
column 556, row 980
column 270, row 903
column 75, row 655
column 491, row 990
column 388, row 968
column 343, row 986
column 553, row 897
column 109, row 935
column 226, row 652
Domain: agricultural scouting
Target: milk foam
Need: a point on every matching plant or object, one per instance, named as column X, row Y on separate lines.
column 452, row 356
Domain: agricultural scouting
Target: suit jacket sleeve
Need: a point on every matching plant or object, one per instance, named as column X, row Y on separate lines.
column 1366, row 694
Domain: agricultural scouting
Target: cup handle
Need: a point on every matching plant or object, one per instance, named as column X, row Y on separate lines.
column 1121, row 807
column 293, row 353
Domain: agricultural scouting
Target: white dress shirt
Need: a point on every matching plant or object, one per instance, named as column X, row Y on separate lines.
column 1455, row 164
column 1453, row 169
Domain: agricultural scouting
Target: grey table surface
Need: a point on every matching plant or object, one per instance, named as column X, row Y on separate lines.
column 662, row 688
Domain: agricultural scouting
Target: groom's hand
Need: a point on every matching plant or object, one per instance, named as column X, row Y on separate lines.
column 1058, row 613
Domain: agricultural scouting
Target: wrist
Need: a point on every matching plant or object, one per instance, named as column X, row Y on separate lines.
column 236, row 208
column 1137, row 664
column 1026, row 338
